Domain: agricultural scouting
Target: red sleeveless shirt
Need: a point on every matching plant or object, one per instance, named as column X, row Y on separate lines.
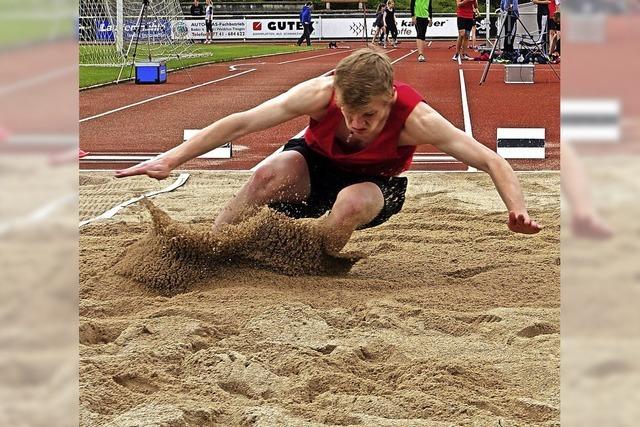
column 383, row 156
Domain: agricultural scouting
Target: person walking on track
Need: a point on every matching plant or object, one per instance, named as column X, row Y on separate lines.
column 307, row 27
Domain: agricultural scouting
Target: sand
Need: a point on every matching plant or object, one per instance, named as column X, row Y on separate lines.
column 446, row 319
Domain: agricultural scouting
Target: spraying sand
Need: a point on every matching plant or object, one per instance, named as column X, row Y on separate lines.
column 173, row 256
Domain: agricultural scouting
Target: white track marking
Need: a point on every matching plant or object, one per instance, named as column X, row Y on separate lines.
column 37, row 80
column 465, row 105
column 465, row 110
column 234, row 67
column 309, row 57
column 114, row 210
column 404, row 56
column 135, row 104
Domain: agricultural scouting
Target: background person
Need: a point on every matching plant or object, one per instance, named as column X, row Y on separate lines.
column 464, row 13
column 477, row 21
column 421, row 13
column 305, row 19
column 390, row 26
column 379, row 23
column 208, row 21
column 510, row 14
column 542, row 19
column 196, row 9
column 554, row 30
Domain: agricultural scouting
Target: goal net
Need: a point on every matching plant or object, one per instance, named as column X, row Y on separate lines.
column 109, row 30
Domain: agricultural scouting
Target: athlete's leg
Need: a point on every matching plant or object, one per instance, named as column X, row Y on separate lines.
column 284, row 178
column 356, row 205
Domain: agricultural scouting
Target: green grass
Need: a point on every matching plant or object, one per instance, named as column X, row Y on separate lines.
column 90, row 76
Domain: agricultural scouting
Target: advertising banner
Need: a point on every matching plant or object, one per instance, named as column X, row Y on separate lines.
column 353, row 28
column 291, row 28
column 227, row 29
column 149, row 28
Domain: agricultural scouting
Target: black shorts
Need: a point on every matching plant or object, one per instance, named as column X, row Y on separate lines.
column 327, row 181
column 553, row 25
column 465, row 24
column 421, row 27
column 209, row 25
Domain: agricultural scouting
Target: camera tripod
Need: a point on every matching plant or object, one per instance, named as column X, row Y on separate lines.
column 512, row 19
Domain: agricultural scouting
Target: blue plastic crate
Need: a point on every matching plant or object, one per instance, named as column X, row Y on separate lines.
column 151, row 72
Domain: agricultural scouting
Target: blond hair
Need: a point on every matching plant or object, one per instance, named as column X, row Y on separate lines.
column 362, row 76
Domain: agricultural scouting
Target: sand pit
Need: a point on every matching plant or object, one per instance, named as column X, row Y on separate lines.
column 450, row 319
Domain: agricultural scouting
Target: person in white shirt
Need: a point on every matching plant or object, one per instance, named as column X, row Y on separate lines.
column 208, row 21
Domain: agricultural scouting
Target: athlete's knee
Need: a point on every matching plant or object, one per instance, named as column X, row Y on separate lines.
column 358, row 207
column 266, row 181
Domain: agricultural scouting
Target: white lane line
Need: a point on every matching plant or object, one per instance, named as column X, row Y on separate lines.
column 165, row 95
column 114, row 210
column 37, row 80
column 465, row 105
column 465, row 112
column 404, row 56
column 310, row 57
column 39, row 214
column 429, row 45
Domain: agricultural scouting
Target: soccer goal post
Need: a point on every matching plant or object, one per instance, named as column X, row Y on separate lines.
column 108, row 27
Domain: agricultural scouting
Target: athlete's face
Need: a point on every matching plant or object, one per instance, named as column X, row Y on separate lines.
column 370, row 119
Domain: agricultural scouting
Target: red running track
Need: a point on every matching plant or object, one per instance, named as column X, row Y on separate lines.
column 156, row 126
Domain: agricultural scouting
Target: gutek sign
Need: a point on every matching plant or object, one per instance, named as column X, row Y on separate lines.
column 274, row 28
column 284, row 26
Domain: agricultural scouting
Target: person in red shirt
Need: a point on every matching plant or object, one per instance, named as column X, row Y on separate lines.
column 465, row 12
column 554, row 30
column 363, row 130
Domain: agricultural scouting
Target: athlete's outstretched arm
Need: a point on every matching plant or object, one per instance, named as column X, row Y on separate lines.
column 305, row 98
column 426, row 126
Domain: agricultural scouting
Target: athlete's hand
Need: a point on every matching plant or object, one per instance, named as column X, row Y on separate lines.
column 158, row 168
column 413, row 20
column 430, row 22
column 522, row 223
